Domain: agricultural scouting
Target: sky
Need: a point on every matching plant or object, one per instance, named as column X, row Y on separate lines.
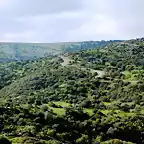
column 70, row 20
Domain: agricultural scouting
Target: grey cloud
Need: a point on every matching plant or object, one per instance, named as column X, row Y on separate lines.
column 39, row 7
column 70, row 20
column 129, row 17
column 41, row 16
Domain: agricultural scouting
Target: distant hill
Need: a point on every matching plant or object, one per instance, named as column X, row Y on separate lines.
column 20, row 51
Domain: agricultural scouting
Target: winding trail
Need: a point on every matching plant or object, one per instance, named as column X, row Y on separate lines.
column 66, row 61
column 129, row 44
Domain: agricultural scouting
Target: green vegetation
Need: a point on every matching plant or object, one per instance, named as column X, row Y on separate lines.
column 82, row 97
column 24, row 51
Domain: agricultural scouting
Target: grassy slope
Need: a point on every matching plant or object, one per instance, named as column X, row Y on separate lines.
column 30, row 49
column 12, row 50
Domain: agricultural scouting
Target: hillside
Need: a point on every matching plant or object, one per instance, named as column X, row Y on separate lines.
column 23, row 51
column 92, row 95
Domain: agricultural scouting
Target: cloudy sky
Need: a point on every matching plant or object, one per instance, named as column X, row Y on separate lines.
column 70, row 20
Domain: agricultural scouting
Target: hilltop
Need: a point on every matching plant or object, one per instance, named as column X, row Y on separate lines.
column 81, row 96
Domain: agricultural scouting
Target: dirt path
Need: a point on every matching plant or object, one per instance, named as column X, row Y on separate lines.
column 129, row 44
column 68, row 59
column 100, row 73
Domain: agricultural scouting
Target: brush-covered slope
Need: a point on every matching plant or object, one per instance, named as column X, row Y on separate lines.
column 94, row 95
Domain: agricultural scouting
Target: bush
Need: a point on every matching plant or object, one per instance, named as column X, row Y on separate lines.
column 114, row 141
column 4, row 140
column 82, row 140
column 53, row 105
column 86, row 104
column 53, row 142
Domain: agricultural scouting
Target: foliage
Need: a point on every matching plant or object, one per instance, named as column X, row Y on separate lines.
column 85, row 97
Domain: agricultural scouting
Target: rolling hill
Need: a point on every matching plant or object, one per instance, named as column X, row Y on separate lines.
column 22, row 51
column 92, row 95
